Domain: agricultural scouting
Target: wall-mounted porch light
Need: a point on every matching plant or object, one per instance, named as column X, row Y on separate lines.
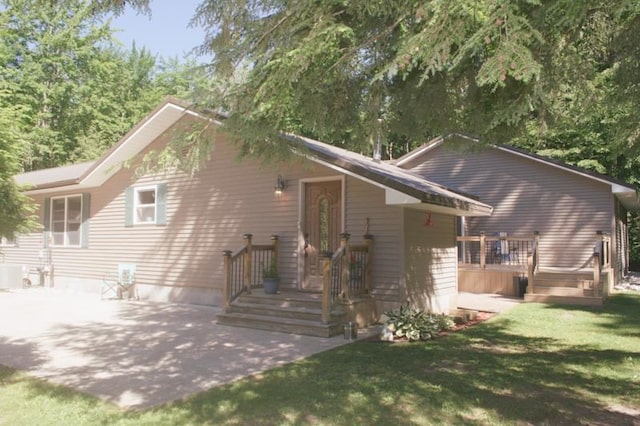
column 281, row 184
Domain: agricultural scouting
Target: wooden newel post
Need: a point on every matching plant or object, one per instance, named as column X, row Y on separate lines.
column 483, row 254
column 346, row 265
column 248, row 256
column 276, row 245
column 368, row 241
column 226, row 290
column 326, row 291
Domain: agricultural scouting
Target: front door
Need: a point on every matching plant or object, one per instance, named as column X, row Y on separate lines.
column 322, row 227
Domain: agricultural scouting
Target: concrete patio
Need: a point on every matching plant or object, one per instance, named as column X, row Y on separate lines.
column 136, row 354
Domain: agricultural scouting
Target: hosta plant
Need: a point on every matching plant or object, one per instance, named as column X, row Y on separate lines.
column 412, row 324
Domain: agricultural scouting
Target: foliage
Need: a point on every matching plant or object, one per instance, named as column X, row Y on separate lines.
column 537, row 364
column 272, row 270
column 68, row 92
column 413, row 324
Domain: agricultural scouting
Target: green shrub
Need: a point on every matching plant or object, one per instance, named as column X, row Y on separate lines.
column 413, row 324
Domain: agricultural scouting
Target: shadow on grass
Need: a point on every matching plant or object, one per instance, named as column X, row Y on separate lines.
column 484, row 375
column 619, row 314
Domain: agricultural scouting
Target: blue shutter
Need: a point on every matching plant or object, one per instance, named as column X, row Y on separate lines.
column 161, row 204
column 86, row 199
column 128, row 207
column 46, row 222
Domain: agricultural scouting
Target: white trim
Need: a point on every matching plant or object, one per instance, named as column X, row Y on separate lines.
column 66, row 224
column 301, row 206
column 137, row 190
column 615, row 188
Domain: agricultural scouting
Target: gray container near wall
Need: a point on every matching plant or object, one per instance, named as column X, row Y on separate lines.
column 351, row 330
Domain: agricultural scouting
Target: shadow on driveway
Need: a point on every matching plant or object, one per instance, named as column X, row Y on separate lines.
column 136, row 354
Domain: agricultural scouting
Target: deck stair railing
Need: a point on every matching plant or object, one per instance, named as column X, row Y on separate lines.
column 243, row 269
column 347, row 275
column 601, row 262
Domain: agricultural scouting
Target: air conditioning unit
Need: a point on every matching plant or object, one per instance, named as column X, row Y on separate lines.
column 10, row 275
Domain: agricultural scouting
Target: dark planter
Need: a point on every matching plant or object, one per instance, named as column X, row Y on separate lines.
column 270, row 285
column 522, row 286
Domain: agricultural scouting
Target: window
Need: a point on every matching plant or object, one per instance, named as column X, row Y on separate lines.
column 144, row 200
column 146, row 205
column 7, row 242
column 66, row 221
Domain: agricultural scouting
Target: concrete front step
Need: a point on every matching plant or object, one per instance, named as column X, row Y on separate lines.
column 285, row 325
column 564, row 300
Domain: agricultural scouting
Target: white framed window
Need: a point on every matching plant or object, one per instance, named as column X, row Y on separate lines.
column 66, row 221
column 7, row 242
column 145, row 204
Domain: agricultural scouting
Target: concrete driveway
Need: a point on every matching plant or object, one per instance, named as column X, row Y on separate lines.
column 136, row 354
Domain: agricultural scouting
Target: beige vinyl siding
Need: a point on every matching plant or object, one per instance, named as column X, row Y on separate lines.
column 430, row 260
column 208, row 213
column 385, row 224
column 527, row 196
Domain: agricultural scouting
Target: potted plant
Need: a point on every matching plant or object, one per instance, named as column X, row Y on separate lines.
column 270, row 278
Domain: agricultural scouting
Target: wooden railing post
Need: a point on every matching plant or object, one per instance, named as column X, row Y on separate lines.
column 248, row 257
column 346, row 265
column 326, row 291
column 368, row 278
column 483, row 259
column 226, row 284
column 275, row 242
column 536, row 253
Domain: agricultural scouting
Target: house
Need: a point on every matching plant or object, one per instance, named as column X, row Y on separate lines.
column 336, row 223
column 349, row 236
column 567, row 213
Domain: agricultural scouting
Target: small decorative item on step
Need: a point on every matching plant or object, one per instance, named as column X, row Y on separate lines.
column 351, row 330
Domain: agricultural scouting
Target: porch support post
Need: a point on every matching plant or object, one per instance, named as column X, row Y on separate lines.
column 598, row 256
column 326, row 291
column 368, row 278
column 483, row 254
column 226, row 290
column 248, row 256
column 346, row 264
column 533, row 263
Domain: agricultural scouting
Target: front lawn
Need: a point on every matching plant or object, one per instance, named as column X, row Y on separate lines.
column 536, row 364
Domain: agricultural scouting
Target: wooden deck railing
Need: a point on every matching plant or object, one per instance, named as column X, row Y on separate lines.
column 347, row 275
column 482, row 250
column 243, row 269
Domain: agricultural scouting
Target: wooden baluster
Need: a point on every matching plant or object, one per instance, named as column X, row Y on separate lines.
column 248, row 257
column 346, row 265
column 368, row 241
column 483, row 259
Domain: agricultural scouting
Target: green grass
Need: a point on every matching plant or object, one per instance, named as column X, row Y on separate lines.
column 537, row 364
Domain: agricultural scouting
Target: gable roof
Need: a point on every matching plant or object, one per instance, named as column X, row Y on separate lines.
column 624, row 191
column 95, row 173
column 401, row 187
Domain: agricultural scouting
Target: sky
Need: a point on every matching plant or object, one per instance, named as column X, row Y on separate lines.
column 166, row 32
